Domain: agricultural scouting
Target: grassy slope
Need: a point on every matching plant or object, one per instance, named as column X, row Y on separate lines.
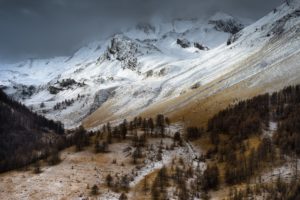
column 195, row 107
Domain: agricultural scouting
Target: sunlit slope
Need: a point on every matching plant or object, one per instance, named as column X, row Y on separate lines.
column 264, row 58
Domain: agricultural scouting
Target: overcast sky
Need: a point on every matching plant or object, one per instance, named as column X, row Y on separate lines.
column 46, row 28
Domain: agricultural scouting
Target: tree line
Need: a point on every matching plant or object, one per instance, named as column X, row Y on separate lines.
column 230, row 130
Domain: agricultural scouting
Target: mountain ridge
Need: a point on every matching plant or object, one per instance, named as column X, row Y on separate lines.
column 146, row 72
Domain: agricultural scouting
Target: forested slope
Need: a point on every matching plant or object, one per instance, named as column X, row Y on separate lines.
column 24, row 135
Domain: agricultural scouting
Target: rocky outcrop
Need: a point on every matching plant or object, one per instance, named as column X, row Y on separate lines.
column 125, row 51
column 278, row 26
column 22, row 91
column 201, row 46
column 184, row 43
column 64, row 84
column 101, row 97
column 233, row 38
column 227, row 25
column 53, row 90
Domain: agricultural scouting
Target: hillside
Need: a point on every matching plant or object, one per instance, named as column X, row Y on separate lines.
column 264, row 58
column 25, row 136
column 249, row 150
column 136, row 64
column 166, row 108
column 179, row 68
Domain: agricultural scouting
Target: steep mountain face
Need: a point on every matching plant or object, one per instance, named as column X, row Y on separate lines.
column 226, row 23
column 161, row 67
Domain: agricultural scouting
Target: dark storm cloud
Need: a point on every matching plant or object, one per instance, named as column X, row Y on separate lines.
column 44, row 28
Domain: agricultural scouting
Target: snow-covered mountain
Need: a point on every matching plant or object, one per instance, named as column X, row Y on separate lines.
column 156, row 62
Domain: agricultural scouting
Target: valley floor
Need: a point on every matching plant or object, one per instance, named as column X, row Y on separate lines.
column 74, row 177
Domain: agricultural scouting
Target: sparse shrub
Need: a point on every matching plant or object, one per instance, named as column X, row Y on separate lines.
column 109, row 180
column 37, row 168
column 54, row 158
column 94, row 190
column 123, row 197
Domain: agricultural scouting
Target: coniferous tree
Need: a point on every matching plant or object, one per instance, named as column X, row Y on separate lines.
column 160, row 124
column 210, row 178
column 109, row 180
column 94, row 190
column 54, row 157
column 151, row 125
column 81, row 138
column 123, row 197
column 124, row 129
column 37, row 168
column 145, row 185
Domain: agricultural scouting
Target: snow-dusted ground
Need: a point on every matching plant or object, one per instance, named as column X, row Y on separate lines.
column 286, row 171
column 79, row 171
column 185, row 152
column 144, row 66
column 271, row 129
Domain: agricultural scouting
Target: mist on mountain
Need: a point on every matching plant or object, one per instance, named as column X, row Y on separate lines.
column 43, row 29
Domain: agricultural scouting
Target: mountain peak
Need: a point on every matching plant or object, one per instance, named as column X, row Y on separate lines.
column 226, row 23
column 221, row 16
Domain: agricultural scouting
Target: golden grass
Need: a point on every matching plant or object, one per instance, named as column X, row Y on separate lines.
column 138, row 192
column 100, row 116
column 203, row 143
column 195, row 107
column 253, row 142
